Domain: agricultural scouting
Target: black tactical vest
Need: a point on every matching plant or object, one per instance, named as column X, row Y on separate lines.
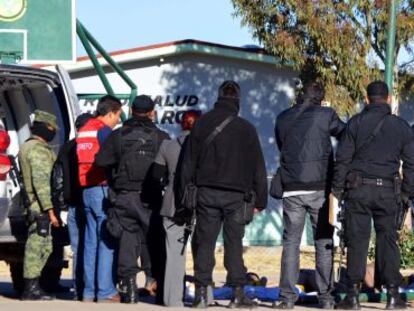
column 138, row 147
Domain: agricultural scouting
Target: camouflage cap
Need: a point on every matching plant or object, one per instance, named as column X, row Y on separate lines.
column 45, row 117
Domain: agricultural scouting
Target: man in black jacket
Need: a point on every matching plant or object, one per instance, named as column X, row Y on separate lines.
column 367, row 168
column 303, row 134
column 226, row 171
column 129, row 153
column 67, row 197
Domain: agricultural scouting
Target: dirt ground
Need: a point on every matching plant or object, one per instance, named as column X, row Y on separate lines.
column 265, row 261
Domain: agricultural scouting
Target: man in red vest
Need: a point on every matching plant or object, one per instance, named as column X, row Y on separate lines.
column 98, row 253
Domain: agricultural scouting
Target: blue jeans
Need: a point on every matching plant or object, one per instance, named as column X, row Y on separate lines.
column 99, row 251
column 295, row 209
column 76, row 228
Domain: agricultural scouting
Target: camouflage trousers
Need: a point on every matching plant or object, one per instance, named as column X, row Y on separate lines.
column 36, row 253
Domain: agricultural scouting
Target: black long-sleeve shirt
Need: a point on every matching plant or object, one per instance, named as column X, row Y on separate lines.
column 232, row 161
column 381, row 157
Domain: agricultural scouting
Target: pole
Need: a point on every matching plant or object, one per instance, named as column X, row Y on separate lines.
column 101, row 73
column 88, row 42
column 390, row 56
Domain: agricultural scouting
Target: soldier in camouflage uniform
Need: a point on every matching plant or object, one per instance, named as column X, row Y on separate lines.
column 36, row 160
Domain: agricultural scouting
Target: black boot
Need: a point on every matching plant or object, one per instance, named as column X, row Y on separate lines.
column 200, row 300
column 32, row 291
column 240, row 300
column 128, row 290
column 394, row 300
column 351, row 301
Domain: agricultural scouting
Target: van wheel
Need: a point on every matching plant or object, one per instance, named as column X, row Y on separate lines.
column 16, row 271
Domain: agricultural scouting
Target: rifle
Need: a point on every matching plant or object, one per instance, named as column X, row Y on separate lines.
column 337, row 220
column 189, row 224
column 403, row 207
column 17, row 179
column 341, row 235
column 403, row 204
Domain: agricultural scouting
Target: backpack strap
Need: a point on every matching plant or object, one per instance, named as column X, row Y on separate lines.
column 218, row 130
column 373, row 134
column 214, row 134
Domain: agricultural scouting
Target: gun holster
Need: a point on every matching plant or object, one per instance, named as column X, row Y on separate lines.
column 43, row 224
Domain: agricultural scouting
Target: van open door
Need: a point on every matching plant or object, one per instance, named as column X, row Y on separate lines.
column 71, row 98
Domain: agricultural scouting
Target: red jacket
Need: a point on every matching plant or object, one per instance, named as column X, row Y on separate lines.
column 87, row 146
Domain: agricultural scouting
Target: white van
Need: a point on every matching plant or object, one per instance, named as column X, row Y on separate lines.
column 23, row 90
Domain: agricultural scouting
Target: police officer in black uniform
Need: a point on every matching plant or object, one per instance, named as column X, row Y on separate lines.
column 367, row 169
column 128, row 154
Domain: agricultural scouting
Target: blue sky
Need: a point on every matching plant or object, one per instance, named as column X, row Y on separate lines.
column 126, row 24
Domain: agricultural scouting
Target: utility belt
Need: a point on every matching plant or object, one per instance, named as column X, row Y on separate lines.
column 379, row 182
column 355, row 180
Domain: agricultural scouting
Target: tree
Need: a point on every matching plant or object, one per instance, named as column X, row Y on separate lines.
column 342, row 43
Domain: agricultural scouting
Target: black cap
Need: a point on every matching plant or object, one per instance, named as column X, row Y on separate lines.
column 377, row 89
column 229, row 89
column 82, row 119
column 143, row 104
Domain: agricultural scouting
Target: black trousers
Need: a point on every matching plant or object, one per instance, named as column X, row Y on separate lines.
column 363, row 205
column 135, row 220
column 217, row 208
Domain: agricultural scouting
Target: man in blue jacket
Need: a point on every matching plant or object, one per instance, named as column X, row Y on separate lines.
column 303, row 134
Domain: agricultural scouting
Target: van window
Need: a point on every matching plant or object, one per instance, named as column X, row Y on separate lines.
column 23, row 100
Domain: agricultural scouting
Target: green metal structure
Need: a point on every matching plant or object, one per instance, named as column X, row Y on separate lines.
column 91, row 96
column 88, row 41
column 390, row 57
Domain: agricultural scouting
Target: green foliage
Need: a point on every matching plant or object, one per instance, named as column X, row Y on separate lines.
column 406, row 245
column 342, row 43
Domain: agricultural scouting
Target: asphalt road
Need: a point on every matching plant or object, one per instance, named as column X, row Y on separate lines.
column 64, row 302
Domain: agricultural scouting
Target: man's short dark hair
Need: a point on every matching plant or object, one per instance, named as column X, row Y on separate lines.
column 142, row 104
column 313, row 93
column 108, row 104
column 377, row 92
